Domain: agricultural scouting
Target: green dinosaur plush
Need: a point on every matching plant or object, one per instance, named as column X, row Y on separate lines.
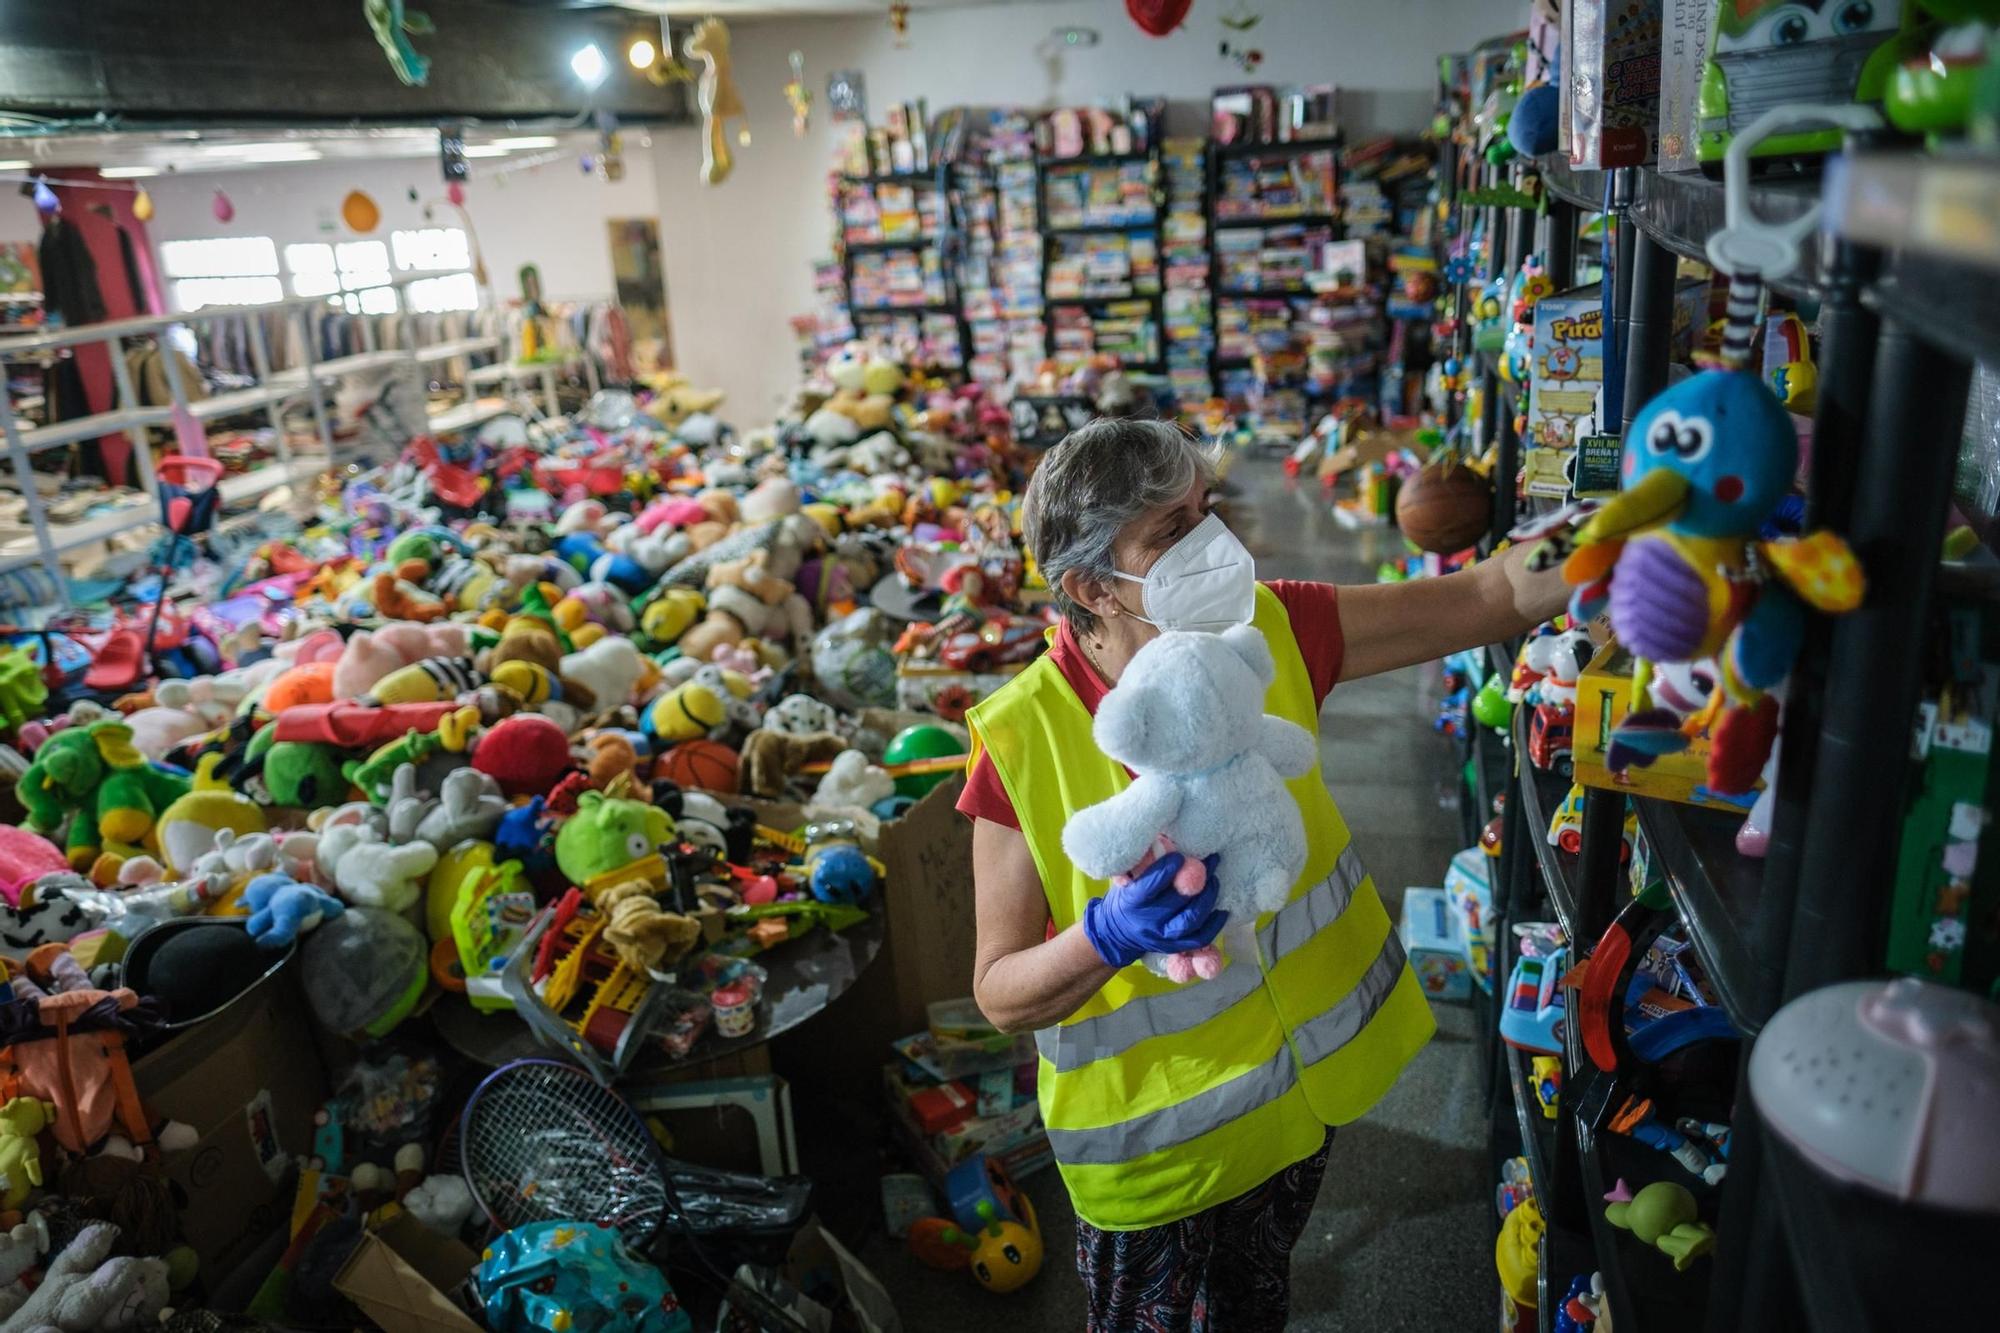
column 374, row 774
column 96, row 772
column 305, row 774
column 23, row 692
column 608, row 833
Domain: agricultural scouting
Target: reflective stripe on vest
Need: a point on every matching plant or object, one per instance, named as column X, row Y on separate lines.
column 1161, row 1100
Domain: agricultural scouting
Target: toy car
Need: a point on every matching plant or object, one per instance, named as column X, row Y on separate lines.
column 1566, row 827
column 1762, row 53
column 1000, row 642
column 1549, row 733
column 1532, row 1017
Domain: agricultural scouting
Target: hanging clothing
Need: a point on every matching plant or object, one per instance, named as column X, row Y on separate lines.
column 69, row 275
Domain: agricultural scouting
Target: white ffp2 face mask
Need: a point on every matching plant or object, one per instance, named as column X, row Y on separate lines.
column 1206, row 581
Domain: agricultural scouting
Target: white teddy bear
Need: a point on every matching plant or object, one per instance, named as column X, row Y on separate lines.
column 1187, row 717
column 372, row 872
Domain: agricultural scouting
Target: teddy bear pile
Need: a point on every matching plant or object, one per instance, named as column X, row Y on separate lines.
column 567, row 728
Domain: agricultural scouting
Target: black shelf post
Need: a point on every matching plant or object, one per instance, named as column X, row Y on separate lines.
column 1873, row 674
column 1649, row 324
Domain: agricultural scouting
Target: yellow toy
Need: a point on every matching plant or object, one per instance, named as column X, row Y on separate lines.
column 720, row 102
column 685, row 712
column 669, row 615
column 430, row 681
column 187, row 829
column 21, row 1120
column 1517, row 1252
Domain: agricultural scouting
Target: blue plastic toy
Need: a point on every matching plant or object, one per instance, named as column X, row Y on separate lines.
column 574, row 1277
column 1532, row 1018
column 282, row 909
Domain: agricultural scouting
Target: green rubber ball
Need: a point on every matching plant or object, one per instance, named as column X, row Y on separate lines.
column 1491, row 706
column 923, row 741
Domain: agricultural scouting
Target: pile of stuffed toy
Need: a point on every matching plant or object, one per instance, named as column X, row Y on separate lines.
column 614, row 689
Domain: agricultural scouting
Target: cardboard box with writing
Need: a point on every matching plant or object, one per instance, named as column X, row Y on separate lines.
column 1603, row 697
column 248, row 1081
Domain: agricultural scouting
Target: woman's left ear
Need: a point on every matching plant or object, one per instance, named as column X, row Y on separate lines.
column 1090, row 593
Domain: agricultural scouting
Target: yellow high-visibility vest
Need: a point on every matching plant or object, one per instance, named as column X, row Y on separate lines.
column 1161, row 1100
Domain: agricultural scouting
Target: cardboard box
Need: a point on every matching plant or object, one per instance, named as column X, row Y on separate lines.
column 1435, row 944
column 944, row 1107
column 1612, row 65
column 1603, row 697
column 926, row 955
column 1468, row 883
column 248, row 1081
column 399, row 1276
column 1565, row 387
column 1683, row 53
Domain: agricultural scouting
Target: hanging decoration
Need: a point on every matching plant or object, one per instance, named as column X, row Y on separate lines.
column 46, row 202
column 455, row 191
column 799, row 96
column 393, row 28
column 1237, row 25
column 360, row 212
column 667, row 66
column 899, row 23
column 224, row 210
column 1158, row 18
column 720, row 101
column 142, row 205
column 847, row 95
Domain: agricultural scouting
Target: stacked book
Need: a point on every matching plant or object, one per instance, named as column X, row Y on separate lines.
column 1188, row 308
column 1255, row 188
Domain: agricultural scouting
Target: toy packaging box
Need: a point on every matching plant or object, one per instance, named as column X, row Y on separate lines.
column 1603, row 697
column 1435, row 942
column 1683, row 54
column 1612, row 65
column 1565, row 387
column 1468, row 883
column 1762, row 54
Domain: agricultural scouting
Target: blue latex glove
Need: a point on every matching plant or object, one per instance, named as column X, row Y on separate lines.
column 1149, row 915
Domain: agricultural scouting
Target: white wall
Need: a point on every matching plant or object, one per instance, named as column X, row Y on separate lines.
column 739, row 255
column 551, row 215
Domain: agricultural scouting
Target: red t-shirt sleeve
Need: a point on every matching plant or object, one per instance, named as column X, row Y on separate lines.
column 1314, row 609
column 985, row 797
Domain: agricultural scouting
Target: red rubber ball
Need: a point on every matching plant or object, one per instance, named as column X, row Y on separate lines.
column 525, row 754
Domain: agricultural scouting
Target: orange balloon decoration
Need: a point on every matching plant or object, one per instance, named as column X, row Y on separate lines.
column 359, row 212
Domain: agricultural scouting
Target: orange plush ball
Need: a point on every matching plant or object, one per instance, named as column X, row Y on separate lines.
column 1445, row 508
column 309, row 684
column 710, row 765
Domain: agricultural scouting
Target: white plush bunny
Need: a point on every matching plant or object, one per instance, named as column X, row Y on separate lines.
column 372, row 872
column 1187, row 717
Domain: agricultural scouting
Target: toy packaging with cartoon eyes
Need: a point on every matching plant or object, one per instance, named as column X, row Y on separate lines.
column 1766, row 53
column 1612, row 82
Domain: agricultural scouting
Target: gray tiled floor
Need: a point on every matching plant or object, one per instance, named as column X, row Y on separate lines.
column 1401, row 1238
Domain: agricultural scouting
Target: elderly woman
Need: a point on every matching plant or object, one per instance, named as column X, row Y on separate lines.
column 1191, row 1123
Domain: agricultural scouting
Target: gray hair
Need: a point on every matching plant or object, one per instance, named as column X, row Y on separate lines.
column 1091, row 485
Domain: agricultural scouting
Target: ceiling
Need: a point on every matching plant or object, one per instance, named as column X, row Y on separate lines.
column 742, row 9
column 185, row 152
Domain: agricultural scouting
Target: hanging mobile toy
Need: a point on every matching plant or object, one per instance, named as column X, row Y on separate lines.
column 799, row 96
column 899, row 23
column 719, row 99
column 1677, row 555
column 1239, row 21
column 392, row 32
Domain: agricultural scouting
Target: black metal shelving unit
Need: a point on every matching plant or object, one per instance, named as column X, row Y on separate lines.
column 1217, row 155
column 1899, row 331
column 1155, row 299
column 939, row 241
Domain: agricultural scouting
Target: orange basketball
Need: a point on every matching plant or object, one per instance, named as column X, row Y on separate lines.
column 710, row 765
column 1445, row 508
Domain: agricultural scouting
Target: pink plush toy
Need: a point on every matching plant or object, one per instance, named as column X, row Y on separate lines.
column 369, row 656
column 674, row 512
column 1189, row 880
column 24, row 858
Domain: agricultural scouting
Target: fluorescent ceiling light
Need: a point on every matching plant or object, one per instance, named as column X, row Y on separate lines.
column 126, row 173
column 17, row 164
column 528, row 141
column 264, row 152
column 588, row 65
column 485, row 150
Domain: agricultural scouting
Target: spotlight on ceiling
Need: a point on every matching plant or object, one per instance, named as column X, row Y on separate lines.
column 641, row 53
column 588, row 65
